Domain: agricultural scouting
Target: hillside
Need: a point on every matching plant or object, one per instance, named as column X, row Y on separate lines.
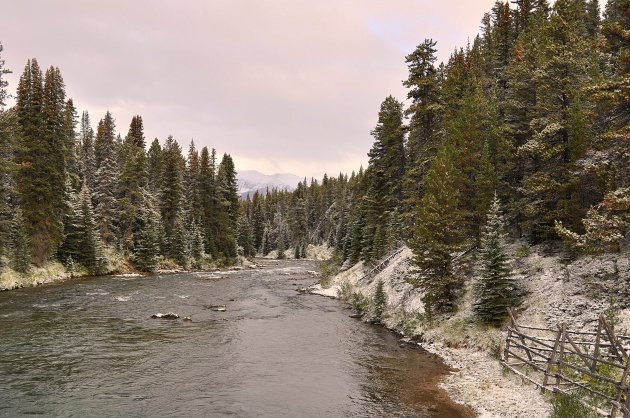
column 555, row 292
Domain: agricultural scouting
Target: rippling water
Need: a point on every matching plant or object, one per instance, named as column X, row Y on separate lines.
column 89, row 348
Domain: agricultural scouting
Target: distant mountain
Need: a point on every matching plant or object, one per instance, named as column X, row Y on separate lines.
column 250, row 181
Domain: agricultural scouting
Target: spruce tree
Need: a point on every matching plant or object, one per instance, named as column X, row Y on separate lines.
column 245, row 237
column 281, row 248
column 495, row 289
column 91, row 256
column 72, row 245
column 21, row 244
column 3, row 82
column 228, row 207
column 147, row 248
column 132, row 183
column 380, row 301
column 209, row 199
column 88, row 160
column 178, row 243
column 106, row 181
column 437, row 233
column 425, row 117
column 154, row 167
column 41, row 177
column 172, row 195
column 196, row 244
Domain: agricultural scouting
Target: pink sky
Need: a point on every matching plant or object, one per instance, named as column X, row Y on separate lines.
column 282, row 85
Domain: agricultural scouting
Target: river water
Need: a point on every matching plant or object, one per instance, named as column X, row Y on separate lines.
column 89, row 348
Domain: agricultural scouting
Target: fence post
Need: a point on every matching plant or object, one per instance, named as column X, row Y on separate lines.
column 597, row 341
column 506, row 349
column 561, row 354
column 516, row 328
column 552, row 357
column 621, row 389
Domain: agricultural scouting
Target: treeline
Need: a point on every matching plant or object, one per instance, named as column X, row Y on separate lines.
column 535, row 109
column 87, row 198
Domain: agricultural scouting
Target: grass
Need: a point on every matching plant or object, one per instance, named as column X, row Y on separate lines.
column 569, row 406
column 329, row 269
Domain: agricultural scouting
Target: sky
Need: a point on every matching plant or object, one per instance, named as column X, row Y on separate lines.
column 284, row 86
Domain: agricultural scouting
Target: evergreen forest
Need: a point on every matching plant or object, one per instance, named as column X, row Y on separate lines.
column 98, row 200
column 526, row 125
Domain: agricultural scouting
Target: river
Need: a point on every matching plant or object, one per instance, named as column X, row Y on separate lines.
column 88, row 347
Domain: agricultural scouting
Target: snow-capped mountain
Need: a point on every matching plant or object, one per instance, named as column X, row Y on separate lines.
column 250, row 181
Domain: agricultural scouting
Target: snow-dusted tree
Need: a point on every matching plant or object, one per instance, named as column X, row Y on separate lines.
column 495, row 289
column 20, row 239
column 380, row 301
column 605, row 224
column 92, row 256
column 245, row 237
column 105, row 197
column 147, row 248
column 264, row 246
column 71, row 245
column 196, row 241
column 178, row 243
column 88, row 160
column 281, row 248
column 106, row 180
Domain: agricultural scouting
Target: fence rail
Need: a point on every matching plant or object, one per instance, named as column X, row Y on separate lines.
column 595, row 366
column 381, row 265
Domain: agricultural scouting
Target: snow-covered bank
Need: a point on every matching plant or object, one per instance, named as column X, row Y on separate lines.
column 574, row 293
column 53, row 272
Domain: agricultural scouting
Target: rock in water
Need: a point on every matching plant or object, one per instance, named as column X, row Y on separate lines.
column 187, row 319
column 218, row 308
column 168, row 315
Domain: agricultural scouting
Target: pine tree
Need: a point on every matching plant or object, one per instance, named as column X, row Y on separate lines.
column 154, row 162
column 178, row 243
column 425, row 113
column 437, row 233
column 209, row 199
column 281, row 248
column 87, row 158
column 245, row 237
column 147, row 248
column 566, row 64
column 72, row 245
column 228, row 207
column 196, row 244
column 106, row 181
column 8, row 130
column 192, row 180
column 3, row 83
column 380, row 301
column 41, row 178
column 105, row 142
column 132, row 182
column 21, row 244
column 172, row 194
column 72, row 151
column 495, row 289
column 91, row 256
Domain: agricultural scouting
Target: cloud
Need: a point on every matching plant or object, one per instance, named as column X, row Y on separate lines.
column 282, row 85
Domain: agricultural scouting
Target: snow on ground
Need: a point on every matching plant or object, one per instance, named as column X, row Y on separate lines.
column 477, row 379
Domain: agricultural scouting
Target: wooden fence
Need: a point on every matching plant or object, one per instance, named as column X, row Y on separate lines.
column 593, row 366
column 381, row 265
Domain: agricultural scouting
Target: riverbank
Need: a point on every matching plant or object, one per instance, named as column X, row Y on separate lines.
column 54, row 271
column 555, row 292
